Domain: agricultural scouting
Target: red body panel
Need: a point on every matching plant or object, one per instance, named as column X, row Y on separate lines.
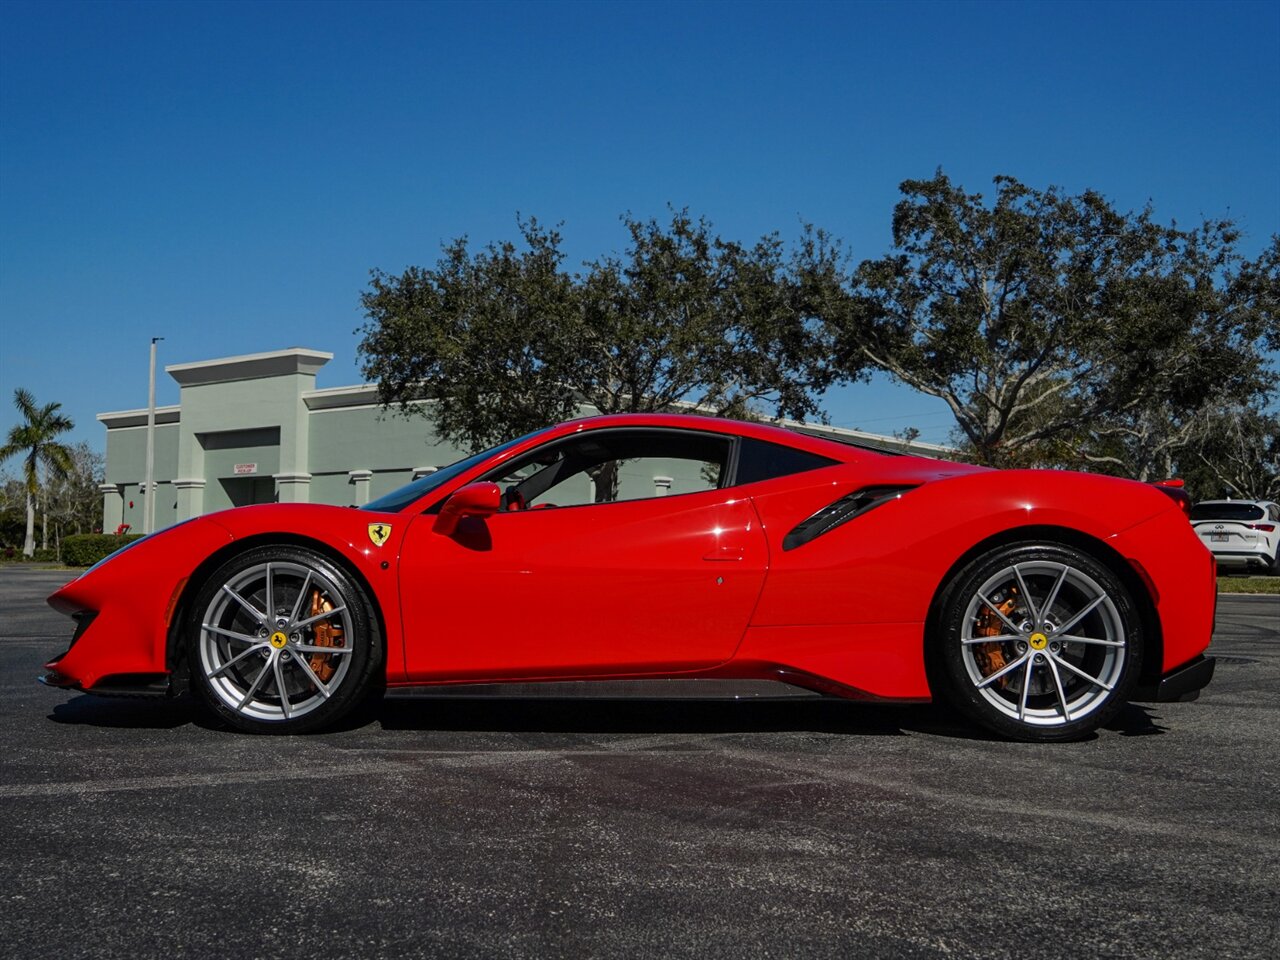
column 1162, row 549
column 862, row 593
column 131, row 595
column 882, row 661
column 662, row 585
column 345, row 532
column 693, row 583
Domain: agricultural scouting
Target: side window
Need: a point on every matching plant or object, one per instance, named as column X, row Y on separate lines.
column 609, row 466
column 761, row 460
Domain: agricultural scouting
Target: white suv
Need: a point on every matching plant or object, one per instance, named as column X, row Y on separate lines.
column 1240, row 532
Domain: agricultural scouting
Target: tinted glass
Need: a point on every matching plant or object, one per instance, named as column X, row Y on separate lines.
column 1226, row 511
column 400, row 498
column 608, row 466
column 761, row 460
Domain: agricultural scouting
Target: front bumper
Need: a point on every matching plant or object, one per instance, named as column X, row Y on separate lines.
column 1181, row 684
column 123, row 608
column 116, row 685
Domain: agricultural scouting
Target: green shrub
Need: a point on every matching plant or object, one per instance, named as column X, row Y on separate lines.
column 10, row 554
column 86, row 549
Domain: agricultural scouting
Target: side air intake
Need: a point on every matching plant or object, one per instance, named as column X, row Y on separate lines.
column 839, row 513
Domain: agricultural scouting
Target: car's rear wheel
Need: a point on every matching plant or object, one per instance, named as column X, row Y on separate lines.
column 1038, row 642
column 283, row 641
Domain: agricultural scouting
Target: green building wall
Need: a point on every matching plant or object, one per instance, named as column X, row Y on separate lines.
column 254, row 429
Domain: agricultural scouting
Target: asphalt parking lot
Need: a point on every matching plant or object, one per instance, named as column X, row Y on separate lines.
column 636, row 829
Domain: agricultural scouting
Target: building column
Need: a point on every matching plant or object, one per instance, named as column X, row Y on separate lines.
column 190, row 497
column 292, row 487
column 420, row 472
column 662, row 486
column 112, row 507
column 360, row 479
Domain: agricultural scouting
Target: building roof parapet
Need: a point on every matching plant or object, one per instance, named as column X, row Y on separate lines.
column 250, row 366
column 138, row 418
column 361, row 395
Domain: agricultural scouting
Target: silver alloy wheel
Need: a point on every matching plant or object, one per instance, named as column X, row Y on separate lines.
column 1043, row 643
column 276, row 641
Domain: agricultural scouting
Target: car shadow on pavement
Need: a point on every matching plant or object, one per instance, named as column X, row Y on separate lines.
column 88, row 710
column 537, row 715
column 1135, row 720
column 497, row 715
column 657, row 716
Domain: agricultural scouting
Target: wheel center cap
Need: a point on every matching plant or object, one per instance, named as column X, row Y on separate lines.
column 279, row 640
column 1038, row 641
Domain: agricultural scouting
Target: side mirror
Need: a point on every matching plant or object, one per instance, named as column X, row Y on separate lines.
column 473, row 500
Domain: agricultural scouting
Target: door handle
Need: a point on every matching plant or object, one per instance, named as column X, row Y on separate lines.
column 724, row 553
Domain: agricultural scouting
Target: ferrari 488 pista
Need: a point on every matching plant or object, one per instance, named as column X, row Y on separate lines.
column 668, row 548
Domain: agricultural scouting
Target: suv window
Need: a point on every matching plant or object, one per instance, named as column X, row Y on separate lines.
column 1226, row 511
column 762, row 460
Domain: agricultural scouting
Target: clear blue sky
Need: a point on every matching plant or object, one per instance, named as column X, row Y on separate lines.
column 225, row 175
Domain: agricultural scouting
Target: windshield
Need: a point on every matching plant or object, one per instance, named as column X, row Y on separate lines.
column 1226, row 511
column 398, row 499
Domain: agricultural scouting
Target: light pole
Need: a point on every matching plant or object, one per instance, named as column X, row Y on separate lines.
column 149, row 486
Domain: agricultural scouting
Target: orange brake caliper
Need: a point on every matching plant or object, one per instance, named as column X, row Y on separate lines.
column 990, row 656
column 325, row 634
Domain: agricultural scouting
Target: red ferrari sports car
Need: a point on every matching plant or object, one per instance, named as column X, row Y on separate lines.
column 669, row 548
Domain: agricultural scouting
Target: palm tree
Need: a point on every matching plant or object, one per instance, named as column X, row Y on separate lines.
column 34, row 439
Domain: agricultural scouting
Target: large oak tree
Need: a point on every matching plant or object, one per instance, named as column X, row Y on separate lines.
column 1058, row 329
column 503, row 340
column 1055, row 326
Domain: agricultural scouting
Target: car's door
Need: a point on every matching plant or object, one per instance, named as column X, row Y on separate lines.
column 570, row 580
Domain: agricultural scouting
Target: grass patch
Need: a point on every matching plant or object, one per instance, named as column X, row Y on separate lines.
column 1249, row 585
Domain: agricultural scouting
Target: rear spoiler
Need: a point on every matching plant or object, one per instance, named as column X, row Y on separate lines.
column 1173, row 489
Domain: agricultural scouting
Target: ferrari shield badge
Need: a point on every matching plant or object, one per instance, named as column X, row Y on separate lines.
column 378, row 533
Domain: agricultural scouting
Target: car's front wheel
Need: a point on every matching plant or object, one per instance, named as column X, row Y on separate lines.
column 283, row 641
column 1038, row 642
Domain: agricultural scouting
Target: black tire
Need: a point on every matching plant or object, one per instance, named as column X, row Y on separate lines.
column 1077, row 669
column 296, row 667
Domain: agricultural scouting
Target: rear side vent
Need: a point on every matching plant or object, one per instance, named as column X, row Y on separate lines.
column 840, row 512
